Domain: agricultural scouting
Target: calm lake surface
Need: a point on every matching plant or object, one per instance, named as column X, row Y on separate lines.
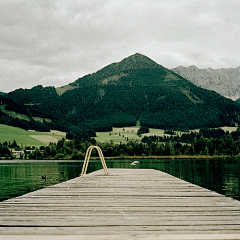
column 20, row 177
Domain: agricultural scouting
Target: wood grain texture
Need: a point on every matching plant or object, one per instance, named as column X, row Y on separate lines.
column 124, row 202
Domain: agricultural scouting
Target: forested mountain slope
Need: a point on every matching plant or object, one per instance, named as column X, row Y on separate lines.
column 136, row 88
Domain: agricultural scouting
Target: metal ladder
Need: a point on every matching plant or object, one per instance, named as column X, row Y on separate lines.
column 87, row 157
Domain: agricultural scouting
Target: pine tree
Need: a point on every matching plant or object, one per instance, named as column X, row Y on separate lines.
column 206, row 151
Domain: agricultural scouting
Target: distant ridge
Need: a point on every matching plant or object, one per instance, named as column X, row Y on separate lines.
column 225, row 81
column 136, row 88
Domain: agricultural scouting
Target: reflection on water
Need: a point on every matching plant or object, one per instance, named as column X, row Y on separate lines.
column 20, row 177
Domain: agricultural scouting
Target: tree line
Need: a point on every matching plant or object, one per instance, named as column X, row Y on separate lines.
column 196, row 144
column 5, row 151
column 24, row 124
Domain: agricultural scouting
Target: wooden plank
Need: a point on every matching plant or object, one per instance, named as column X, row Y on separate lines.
column 123, row 230
column 127, row 201
column 170, row 215
column 120, row 219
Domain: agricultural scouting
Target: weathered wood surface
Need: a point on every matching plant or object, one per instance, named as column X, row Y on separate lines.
column 125, row 202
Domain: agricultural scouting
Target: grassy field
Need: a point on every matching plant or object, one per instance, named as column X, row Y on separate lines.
column 118, row 135
column 28, row 138
column 63, row 89
column 229, row 129
column 122, row 134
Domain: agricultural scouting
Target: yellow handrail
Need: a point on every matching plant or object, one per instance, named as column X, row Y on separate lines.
column 87, row 157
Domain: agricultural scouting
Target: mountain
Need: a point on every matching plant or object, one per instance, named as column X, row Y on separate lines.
column 137, row 88
column 223, row 81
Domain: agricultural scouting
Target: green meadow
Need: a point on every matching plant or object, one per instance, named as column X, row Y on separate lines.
column 117, row 135
column 124, row 134
column 28, row 138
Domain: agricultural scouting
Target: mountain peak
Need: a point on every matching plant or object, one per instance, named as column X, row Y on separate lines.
column 136, row 56
column 138, row 60
column 193, row 67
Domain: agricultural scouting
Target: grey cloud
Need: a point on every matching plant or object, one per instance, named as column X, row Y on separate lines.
column 55, row 42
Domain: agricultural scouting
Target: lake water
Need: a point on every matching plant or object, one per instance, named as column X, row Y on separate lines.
column 20, row 177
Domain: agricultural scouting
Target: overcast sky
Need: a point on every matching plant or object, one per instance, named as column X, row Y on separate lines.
column 54, row 42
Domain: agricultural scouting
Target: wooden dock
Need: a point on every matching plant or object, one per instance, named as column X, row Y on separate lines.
column 126, row 204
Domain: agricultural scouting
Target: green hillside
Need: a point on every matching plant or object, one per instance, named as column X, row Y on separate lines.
column 28, row 138
column 120, row 94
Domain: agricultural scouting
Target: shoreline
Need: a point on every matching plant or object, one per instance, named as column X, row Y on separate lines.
column 198, row 157
column 171, row 157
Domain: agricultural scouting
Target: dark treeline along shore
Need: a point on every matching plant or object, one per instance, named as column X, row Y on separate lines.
column 206, row 142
